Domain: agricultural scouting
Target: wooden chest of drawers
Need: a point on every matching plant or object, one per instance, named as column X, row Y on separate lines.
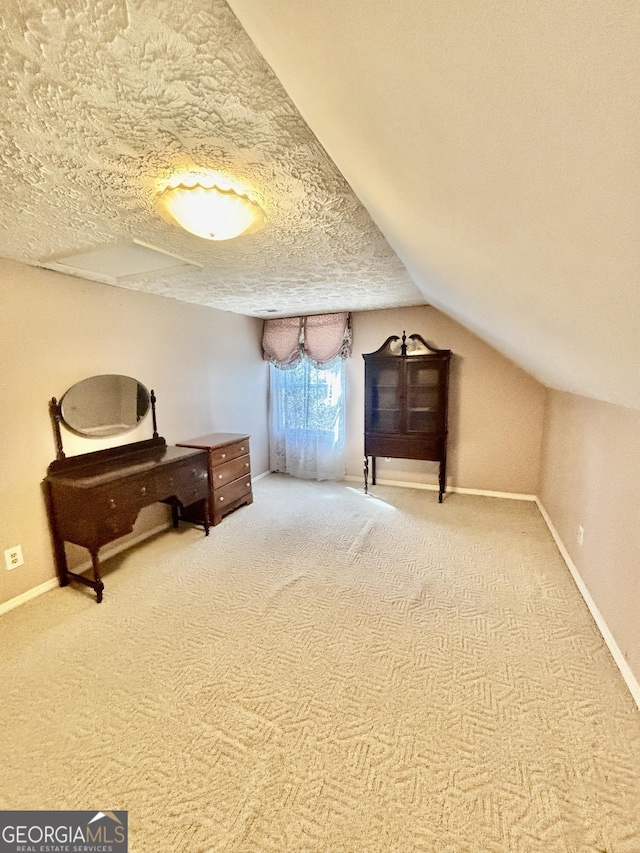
column 229, row 471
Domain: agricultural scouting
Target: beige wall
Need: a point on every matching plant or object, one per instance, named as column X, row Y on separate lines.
column 590, row 477
column 495, row 409
column 205, row 366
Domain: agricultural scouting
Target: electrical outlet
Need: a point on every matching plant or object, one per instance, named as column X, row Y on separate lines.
column 580, row 535
column 13, row 557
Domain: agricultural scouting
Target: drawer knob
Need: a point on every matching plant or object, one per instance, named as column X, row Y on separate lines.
column 219, row 476
column 221, row 498
column 112, row 503
column 246, row 464
column 248, row 485
column 194, row 472
column 143, row 490
column 242, row 448
column 223, row 456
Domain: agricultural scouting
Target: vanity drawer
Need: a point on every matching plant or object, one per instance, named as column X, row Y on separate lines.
column 91, row 517
column 113, row 501
column 221, row 455
column 228, row 471
column 189, row 482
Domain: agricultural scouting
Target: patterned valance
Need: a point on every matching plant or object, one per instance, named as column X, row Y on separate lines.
column 281, row 341
column 320, row 338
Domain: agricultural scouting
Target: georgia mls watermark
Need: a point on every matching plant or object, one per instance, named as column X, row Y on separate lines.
column 63, row 832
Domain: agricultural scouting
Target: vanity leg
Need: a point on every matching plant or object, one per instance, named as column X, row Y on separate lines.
column 97, row 580
column 366, row 474
column 373, row 470
column 61, row 561
column 59, row 554
column 207, row 523
column 175, row 513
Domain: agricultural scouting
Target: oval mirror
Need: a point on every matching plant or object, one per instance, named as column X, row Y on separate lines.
column 106, row 405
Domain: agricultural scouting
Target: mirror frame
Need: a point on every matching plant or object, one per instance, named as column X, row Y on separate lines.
column 122, row 430
column 55, row 413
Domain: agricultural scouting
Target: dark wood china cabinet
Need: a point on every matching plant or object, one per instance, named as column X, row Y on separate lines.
column 406, row 396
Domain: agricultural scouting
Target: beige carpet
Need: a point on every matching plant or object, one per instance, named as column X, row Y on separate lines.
column 329, row 672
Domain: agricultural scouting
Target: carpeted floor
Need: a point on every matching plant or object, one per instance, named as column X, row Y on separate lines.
column 329, row 673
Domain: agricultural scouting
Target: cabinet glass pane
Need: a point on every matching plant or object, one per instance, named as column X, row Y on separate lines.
column 385, row 420
column 419, row 397
column 387, row 376
column 384, row 398
column 422, row 421
column 422, row 374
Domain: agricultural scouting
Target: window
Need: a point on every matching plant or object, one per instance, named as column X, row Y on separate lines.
column 307, row 420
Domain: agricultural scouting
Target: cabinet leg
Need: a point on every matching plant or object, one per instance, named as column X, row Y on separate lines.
column 373, row 470
column 442, row 480
column 175, row 513
column 366, row 474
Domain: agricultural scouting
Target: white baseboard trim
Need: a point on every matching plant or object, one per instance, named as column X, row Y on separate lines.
column 105, row 553
column 607, row 636
column 509, row 496
column 28, row 595
column 432, row 487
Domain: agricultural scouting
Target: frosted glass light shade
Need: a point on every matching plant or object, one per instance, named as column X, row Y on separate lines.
column 211, row 212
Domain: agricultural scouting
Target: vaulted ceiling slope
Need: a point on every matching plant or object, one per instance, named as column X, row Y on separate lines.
column 497, row 146
column 100, row 102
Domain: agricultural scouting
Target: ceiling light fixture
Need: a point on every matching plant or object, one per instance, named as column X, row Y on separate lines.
column 209, row 211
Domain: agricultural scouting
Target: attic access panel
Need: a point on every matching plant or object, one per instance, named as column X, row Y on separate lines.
column 121, row 262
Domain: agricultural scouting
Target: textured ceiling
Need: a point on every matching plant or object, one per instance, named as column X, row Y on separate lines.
column 100, row 101
column 494, row 144
column 497, row 146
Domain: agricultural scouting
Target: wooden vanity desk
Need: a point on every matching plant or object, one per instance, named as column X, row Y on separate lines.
column 229, row 472
column 95, row 498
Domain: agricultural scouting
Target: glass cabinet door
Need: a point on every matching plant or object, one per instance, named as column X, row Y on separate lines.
column 383, row 404
column 422, row 390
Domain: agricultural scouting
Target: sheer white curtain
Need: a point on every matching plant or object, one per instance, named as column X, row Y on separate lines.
column 307, row 401
column 307, row 415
